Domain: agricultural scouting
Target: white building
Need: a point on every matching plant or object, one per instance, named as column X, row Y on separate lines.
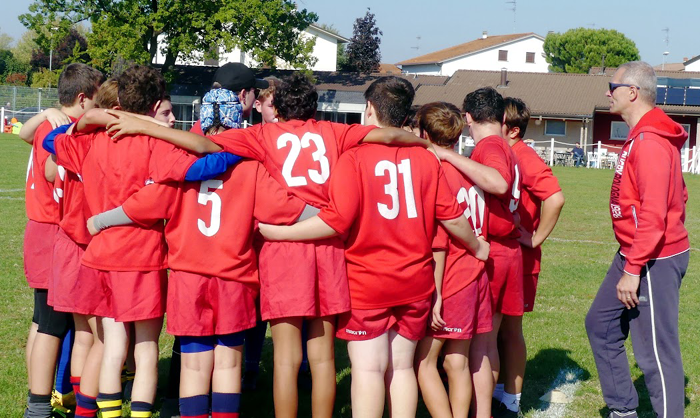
column 325, row 51
column 522, row 52
column 692, row 64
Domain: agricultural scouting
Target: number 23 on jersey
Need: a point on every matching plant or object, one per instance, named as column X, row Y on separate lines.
column 297, row 145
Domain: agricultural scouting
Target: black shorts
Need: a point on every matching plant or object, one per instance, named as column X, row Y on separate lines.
column 50, row 322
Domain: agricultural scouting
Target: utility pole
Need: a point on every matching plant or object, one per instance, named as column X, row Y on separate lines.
column 513, row 9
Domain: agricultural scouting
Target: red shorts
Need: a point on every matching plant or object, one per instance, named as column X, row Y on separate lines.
column 365, row 324
column 303, row 279
column 530, row 290
column 66, row 267
column 38, row 253
column 134, row 295
column 201, row 306
column 505, row 271
column 87, row 295
column 467, row 312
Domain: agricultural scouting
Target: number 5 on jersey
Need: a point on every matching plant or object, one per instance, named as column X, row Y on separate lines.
column 206, row 195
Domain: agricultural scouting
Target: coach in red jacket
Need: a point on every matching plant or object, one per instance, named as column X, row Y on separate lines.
column 641, row 290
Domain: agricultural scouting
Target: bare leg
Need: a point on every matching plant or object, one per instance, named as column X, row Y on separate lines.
column 28, row 352
column 369, row 360
column 458, row 376
column 514, row 353
column 43, row 363
column 400, row 377
column 321, row 352
column 116, row 342
column 286, row 339
column 227, row 369
column 89, row 380
column 196, row 373
column 146, row 358
column 81, row 344
column 482, row 376
column 431, row 386
column 493, row 347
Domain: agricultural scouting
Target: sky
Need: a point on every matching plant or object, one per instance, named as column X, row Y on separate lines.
column 443, row 23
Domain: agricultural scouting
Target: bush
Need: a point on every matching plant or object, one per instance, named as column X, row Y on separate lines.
column 16, row 79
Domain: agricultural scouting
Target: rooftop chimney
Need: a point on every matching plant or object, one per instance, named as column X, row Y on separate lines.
column 504, row 77
column 484, row 34
column 685, row 59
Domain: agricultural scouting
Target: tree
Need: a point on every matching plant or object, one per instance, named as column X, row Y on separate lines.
column 363, row 51
column 46, row 78
column 5, row 41
column 68, row 49
column 341, row 59
column 577, row 50
column 10, row 65
column 130, row 29
column 24, row 47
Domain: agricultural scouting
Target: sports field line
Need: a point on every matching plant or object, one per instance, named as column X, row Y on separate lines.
column 585, row 241
column 11, row 198
column 11, row 190
column 567, row 382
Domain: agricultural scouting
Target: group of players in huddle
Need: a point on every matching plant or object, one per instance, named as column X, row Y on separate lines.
column 378, row 234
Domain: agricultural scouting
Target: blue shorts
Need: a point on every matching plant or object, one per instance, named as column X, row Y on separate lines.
column 189, row 345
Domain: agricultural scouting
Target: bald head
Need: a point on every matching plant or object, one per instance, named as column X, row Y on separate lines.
column 641, row 74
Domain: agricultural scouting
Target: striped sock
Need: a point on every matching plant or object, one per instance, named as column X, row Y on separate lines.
column 110, row 404
column 194, row 407
column 141, row 409
column 225, row 405
column 75, row 383
column 39, row 406
column 87, row 406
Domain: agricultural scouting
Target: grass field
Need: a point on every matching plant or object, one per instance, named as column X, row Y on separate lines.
column 575, row 260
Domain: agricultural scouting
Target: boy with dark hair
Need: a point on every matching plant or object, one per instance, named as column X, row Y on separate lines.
column 462, row 307
column 387, row 98
column 77, row 86
column 389, row 270
column 493, row 167
column 299, row 152
column 132, row 279
column 541, row 202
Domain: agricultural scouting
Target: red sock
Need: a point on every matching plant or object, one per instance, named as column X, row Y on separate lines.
column 86, row 406
column 75, row 382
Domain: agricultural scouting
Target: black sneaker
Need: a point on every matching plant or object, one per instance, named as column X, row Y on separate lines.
column 620, row 414
column 499, row 410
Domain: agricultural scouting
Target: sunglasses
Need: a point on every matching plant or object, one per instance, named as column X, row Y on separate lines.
column 613, row 86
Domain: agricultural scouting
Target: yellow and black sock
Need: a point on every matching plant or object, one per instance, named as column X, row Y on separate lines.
column 110, row 405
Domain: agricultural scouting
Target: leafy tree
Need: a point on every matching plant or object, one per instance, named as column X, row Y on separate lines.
column 577, row 50
column 46, row 78
column 65, row 50
column 24, row 47
column 5, row 41
column 129, row 29
column 16, row 79
column 10, row 65
column 363, row 51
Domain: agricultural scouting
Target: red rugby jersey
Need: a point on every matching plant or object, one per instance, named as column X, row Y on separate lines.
column 298, row 154
column 39, row 193
column 538, row 183
column 493, row 151
column 461, row 267
column 210, row 227
column 388, row 199
column 111, row 172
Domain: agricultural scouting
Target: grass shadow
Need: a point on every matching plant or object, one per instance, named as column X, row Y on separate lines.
column 541, row 373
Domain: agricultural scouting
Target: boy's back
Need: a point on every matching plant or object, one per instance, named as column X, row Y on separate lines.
column 298, row 154
column 111, row 172
column 388, row 199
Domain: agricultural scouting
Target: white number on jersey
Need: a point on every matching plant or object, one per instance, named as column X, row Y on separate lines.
column 205, row 196
column 57, row 191
column 475, row 206
column 391, row 189
column 516, row 191
column 30, row 168
column 318, row 177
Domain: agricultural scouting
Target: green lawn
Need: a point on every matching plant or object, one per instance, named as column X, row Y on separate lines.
column 575, row 261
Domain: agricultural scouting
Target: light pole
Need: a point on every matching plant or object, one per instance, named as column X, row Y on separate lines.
column 53, row 28
column 663, row 63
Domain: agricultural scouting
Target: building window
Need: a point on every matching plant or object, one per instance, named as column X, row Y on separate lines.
column 619, row 130
column 340, row 117
column 530, row 57
column 502, row 55
column 555, row 127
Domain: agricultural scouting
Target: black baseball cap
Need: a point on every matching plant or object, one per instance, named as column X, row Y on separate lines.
column 235, row 76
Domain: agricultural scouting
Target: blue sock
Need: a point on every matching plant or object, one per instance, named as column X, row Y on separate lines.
column 225, row 405
column 194, row 406
column 62, row 383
